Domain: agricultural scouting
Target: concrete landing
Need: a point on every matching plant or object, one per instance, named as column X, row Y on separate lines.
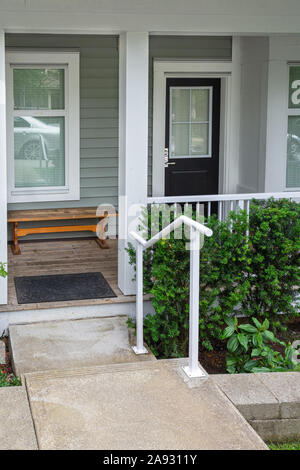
column 149, row 405
column 71, row 344
column 16, row 427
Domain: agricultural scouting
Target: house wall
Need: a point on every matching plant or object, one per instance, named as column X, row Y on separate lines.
column 254, row 57
column 99, row 104
column 99, row 68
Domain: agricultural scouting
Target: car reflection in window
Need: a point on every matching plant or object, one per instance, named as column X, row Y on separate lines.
column 35, row 139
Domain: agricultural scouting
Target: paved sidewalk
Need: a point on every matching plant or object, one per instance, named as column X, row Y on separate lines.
column 134, row 406
column 16, row 426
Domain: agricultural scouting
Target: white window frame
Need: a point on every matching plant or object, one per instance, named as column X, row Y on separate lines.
column 209, row 122
column 70, row 62
column 290, row 112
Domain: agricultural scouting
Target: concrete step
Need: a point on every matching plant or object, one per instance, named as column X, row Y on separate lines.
column 61, row 345
column 149, row 405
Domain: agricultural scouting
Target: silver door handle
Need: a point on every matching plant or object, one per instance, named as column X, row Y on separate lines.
column 169, row 163
column 166, row 158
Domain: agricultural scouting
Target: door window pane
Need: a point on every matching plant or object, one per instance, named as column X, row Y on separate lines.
column 39, row 151
column 180, row 105
column 293, row 152
column 38, row 88
column 200, row 105
column 199, row 139
column 190, row 122
column 180, row 140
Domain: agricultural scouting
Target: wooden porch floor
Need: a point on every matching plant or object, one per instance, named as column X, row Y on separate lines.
column 63, row 257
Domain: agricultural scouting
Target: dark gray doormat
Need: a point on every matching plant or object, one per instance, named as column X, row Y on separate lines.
column 62, row 287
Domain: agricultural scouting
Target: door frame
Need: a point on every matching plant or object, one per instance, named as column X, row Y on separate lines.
column 229, row 117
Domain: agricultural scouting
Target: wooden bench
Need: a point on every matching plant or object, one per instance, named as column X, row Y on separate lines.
column 56, row 214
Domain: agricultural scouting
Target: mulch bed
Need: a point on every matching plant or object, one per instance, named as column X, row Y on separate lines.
column 214, row 362
column 6, row 368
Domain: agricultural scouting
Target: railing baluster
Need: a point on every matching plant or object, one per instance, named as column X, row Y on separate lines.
column 139, row 348
column 193, row 369
column 248, row 216
column 220, row 205
column 208, row 209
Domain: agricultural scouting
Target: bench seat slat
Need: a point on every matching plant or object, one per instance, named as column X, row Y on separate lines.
column 53, row 214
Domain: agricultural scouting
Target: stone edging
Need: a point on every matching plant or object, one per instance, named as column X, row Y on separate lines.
column 270, row 402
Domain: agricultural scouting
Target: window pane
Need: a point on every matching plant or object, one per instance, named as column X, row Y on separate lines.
column 293, row 153
column 39, row 151
column 180, row 105
column 199, row 139
column 294, row 87
column 180, row 140
column 200, row 105
column 38, row 88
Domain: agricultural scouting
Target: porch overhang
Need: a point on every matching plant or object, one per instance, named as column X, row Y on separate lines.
column 169, row 16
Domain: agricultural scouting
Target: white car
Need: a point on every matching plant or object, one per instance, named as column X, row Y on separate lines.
column 35, row 140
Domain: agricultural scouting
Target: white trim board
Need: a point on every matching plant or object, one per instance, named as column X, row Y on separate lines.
column 70, row 62
column 3, row 177
column 182, row 68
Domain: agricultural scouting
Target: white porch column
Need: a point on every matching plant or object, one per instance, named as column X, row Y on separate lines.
column 133, row 143
column 3, row 173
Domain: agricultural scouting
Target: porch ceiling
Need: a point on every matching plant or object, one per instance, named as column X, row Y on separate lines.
column 191, row 16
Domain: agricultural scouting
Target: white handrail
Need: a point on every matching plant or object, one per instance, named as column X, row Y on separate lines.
column 193, row 369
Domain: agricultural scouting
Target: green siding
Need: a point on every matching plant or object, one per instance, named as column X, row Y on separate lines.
column 99, row 72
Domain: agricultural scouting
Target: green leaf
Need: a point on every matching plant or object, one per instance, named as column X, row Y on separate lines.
column 231, row 321
column 229, row 330
column 266, row 324
column 248, row 328
column 269, row 335
column 257, row 323
column 248, row 366
column 255, row 352
column 260, row 369
column 243, row 340
column 232, row 344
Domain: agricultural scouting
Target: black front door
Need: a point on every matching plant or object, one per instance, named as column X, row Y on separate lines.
column 192, row 136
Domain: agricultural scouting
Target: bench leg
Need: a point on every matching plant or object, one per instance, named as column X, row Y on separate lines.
column 102, row 243
column 15, row 246
column 101, row 240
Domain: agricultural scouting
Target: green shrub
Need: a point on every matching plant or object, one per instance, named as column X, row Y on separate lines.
column 257, row 276
column 250, row 348
column 274, row 272
column 3, row 272
column 222, row 286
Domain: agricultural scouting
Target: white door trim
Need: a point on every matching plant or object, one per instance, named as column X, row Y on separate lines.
column 182, row 68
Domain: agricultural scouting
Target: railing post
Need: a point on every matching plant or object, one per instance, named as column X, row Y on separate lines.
column 193, row 369
column 139, row 348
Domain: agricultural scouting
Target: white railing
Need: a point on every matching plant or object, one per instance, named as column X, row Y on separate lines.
column 193, row 369
column 226, row 202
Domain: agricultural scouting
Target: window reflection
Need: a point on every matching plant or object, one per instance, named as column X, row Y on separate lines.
column 39, row 151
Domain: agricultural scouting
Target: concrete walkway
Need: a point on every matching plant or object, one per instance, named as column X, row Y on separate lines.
column 16, row 426
column 146, row 405
column 71, row 344
column 88, row 390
